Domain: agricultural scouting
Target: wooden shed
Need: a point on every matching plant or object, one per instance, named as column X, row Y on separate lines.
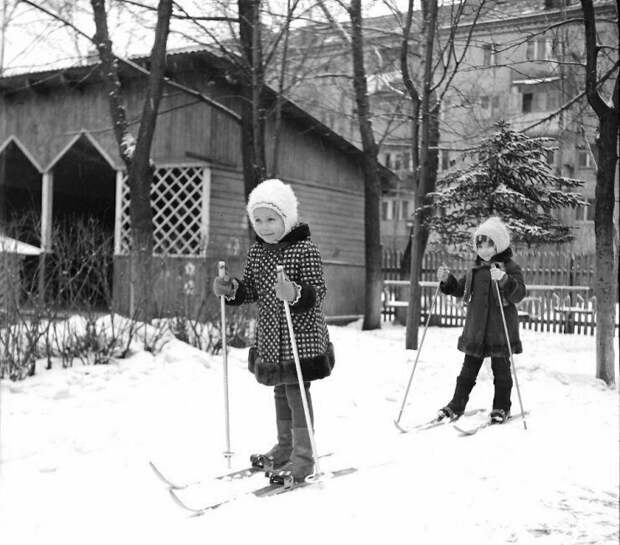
column 58, row 156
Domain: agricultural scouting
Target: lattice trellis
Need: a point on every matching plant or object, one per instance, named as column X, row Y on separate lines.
column 179, row 198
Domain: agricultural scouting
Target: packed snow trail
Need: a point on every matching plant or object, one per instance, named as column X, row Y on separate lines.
column 76, row 444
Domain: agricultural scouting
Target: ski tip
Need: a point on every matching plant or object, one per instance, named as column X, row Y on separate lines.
column 463, row 431
column 399, row 427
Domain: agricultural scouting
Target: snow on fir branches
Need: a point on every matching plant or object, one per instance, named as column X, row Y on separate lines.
column 508, row 176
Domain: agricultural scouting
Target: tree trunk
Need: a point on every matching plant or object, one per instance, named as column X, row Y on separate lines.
column 136, row 155
column 251, row 76
column 3, row 179
column 429, row 136
column 372, row 184
column 428, row 182
column 605, row 283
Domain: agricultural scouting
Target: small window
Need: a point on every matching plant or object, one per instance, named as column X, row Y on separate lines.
column 530, row 52
column 553, row 99
column 386, row 210
column 397, row 161
column 484, row 102
column 405, row 210
column 585, row 213
column 495, row 102
column 388, row 160
column 556, row 4
column 584, row 159
column 527, row 102
column 550, row 156
column 395, row 207
column 489, row 55
column 445, row 159
column 407, row 160
column 541, row 49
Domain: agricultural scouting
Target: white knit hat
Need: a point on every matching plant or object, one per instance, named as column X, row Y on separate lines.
column 495, row 229
column 277, row 196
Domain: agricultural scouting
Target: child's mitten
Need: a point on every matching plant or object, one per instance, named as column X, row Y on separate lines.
column 286, row 290
column 223, row 286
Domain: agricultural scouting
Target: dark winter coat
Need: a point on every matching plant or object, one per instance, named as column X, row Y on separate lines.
column 271, row 357
column 483, row 334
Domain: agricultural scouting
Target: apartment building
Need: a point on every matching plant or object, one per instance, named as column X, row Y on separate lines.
column 523, row 64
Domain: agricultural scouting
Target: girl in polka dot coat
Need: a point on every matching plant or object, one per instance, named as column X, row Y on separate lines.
column 281, row 240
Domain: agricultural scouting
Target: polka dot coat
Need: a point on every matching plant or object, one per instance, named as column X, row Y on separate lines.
column 271, row 357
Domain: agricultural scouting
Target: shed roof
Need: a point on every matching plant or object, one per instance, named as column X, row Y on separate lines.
column 90, row 73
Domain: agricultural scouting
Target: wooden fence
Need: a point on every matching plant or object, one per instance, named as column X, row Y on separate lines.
column 559, row 296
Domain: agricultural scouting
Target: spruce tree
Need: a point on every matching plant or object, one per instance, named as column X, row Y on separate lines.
column 507, row 176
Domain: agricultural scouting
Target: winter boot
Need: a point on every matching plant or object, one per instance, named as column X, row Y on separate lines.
column 448, row 412
column 456, row 407
column 301, row 463
column 499, row 416
column 280, row 453
column 501, row 397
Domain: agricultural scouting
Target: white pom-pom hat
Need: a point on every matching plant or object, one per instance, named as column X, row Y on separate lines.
column 277, row 196
column 495, row 229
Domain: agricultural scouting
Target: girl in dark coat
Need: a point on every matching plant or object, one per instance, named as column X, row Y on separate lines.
column 281, row 240
column 483, row 334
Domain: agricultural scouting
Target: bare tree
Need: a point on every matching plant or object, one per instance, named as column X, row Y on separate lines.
column 605, row 284
column 7, row 9
column 252, row 79
column 370, row 167
column 440, row 62
column 135, row 152
column 370, row 164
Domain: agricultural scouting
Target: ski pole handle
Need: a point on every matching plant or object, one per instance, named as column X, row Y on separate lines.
column 280, row 272
column 221, row 269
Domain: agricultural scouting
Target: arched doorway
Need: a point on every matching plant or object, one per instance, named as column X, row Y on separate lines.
column 80, row 269
column 20, row 219
column 20, row 194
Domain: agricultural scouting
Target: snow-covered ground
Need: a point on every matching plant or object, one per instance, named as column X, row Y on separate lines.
column 75, row 446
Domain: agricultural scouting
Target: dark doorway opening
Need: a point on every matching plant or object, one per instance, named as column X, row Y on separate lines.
column 80, row 271
column 20, row 218
column 20, row 196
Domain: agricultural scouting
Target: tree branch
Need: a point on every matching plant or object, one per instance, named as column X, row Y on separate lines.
column 335, row 24
column 186, row 16
column 137, row 67
column 594, row 98
column 576, row 98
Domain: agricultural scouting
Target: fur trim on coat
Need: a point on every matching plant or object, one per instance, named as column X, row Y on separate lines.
column 285, row 373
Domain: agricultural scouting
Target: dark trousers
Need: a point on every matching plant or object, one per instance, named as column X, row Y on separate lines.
column 289, row 405
column 502, row 379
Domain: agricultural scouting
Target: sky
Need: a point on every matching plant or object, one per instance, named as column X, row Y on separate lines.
column 34, row 41
column 76, row 445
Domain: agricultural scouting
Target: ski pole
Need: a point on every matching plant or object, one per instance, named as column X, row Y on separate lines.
column 512, row 362
column 300, row 378
column 221, row 266
column 415, row 364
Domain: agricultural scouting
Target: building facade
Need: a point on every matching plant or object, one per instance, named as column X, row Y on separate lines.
column 524, row 64
column 59, row 161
